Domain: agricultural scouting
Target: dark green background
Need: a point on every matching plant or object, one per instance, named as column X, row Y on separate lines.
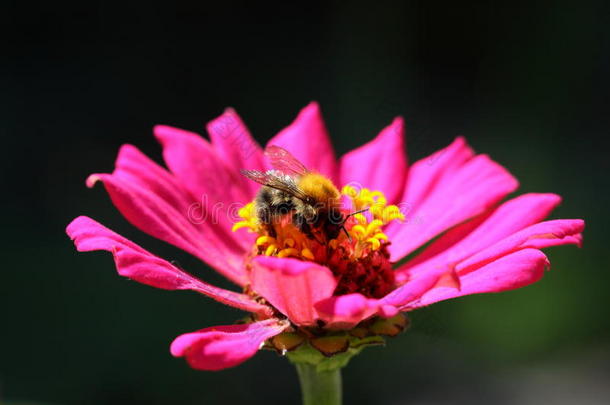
column 527, row 84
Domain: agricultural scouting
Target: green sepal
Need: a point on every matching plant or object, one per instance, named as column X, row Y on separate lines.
column 391, row 326
column 359, row 332
column 308, row 354
column 286, row 342
column 331, row 345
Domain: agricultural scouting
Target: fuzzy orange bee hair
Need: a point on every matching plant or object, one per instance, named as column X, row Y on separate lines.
column 319, row 188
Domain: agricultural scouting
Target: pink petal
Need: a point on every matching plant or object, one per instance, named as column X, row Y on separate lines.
column 138, row 264
column 510, row 272
column 467, row 191
column 220, row 190
column 346, row 311
column 416, row 287
column 150, row 198
column 307, row 139
column 489, row 270
column 217, row 184
column 233, row 144
column 380, row 164
column 538, row 236
column 292, row 286
column 467, row 239
column 427, row 174
column 222, row 347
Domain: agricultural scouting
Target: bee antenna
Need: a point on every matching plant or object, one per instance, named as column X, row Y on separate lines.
column 345, row 219
column 354, row 213
column 349, row 237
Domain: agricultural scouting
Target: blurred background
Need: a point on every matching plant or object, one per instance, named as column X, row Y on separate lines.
column 526, row 84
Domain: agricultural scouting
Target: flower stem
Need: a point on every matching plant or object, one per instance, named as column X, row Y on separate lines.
column 319, row 388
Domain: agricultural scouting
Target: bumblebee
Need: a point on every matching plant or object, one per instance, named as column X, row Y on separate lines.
column 310, row 200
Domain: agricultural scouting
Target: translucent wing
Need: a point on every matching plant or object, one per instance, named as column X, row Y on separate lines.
column 276, row 180
column 283, row 161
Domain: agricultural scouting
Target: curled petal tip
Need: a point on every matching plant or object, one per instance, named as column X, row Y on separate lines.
column 399, row 121
column 92, row 179
column 164, row 133
column 221, row 347
column 160, row 129
column 71, row 228
column 314, row 105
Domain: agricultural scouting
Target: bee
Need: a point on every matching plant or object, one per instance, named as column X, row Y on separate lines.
column 310, row 200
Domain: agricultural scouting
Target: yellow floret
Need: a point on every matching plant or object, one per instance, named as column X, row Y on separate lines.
column 249, row 219
column 365, row 232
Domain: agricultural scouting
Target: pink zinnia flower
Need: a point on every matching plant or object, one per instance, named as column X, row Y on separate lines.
column 303, row 291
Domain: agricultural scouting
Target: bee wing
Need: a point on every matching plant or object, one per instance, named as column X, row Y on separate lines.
column 283, row 161
column 273, row 180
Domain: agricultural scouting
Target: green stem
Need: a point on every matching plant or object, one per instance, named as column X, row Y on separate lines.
column 319, row 388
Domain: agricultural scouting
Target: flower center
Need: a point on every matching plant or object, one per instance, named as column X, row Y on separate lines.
column 360, row 261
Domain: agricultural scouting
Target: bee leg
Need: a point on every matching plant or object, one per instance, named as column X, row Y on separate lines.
column 271, row 230
column 265, row 216
column 302, row 225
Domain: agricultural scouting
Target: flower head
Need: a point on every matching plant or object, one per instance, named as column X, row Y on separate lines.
column 309, row 291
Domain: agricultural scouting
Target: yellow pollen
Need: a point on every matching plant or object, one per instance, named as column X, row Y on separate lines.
column 249, row 219
column 288, row 252
column 306, row 253
column 375, row 244
column 380, row 236
column 361, row 219
column 358, row 231
column 270, row 250
column 264, row 240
